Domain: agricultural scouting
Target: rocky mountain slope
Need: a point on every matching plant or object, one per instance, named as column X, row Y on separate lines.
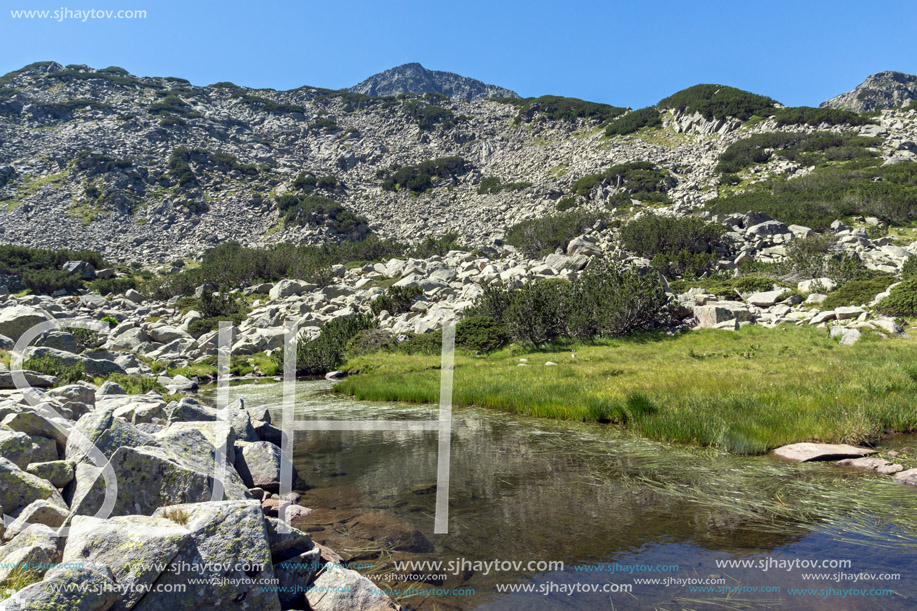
column 414, row 78
column 879, row 91
column 154, row 169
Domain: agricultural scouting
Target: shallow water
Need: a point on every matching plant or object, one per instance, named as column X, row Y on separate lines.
column 525, row 489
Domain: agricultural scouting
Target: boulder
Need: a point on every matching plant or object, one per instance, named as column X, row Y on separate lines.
column 38, row 512
column 16, row 320
column 36, row 545
column 151, row 477
column 848, row 312
column 110, row 388
column 16, row 447
column 166, row 334
column 259, row 463
column 106, row 432
column 288, row 288
column 32, row 378
column 817, row 285
column 765, row 299
column 338, row 588
column 87, row 588
column 84, row 269
column 878, row 465
column 850, row 337
column 227, row 541
column 907, row 477
column 710, row 315
column 19, row 489
column 58, row 472
column 36, row 425
column 582, row 245
column 286, row 543
column 806, row 452
column 138, row 549
column 292, row 573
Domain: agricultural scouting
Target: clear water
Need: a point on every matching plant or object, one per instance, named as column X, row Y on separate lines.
column 525, row 489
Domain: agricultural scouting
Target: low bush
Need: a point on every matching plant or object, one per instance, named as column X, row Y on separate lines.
column 214, row 308
column 726, row 287
column 542, row 236
column 15, row 260
column 326, row 352
column 718, row 102
column 317, row 210
column 857, row 292
column 558, row 108
column 324, row 124
column 86, row 339
column 902, row 301
column 806, row 115
column 395, row 300
column 480, row 334
column 634, row 121
column 565, row 204
column 676, row 245
column 909, row 269
column 107, row 286
column 369, row 341
column 136, row 384
column 48, row 281
column 603, row 301
column 492, row 184
column 48, row 365
column 418, row 178
column 808, row 148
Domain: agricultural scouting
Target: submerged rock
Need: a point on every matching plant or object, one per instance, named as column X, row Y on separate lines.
column 806, row 452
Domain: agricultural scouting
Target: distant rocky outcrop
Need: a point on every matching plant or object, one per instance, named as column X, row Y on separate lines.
column 414, row 78
column 879, row 91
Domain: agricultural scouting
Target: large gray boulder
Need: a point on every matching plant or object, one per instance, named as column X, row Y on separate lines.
column 35, row 425
column 259, row 464
column 338, row 588
column 87, row 588
column 15, row 447
column 225, row 538
column 38, row 512
column 138, row 549
column 37, row 545
column 32, row 378
column 58, row 472
column 19, row 489
column 107, row 432
column 16, row 320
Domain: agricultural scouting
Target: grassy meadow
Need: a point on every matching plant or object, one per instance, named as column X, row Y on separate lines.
column 745, row 392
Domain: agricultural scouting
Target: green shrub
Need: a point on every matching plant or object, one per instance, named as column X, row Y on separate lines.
column 718, row 102
column 111, row 320
column 118, row 286
column 48, row 281
column 806, row 115
column 369, row 341
column 418, row 178
column 395, row 300
column 542, row 236
column 854, row 188
column 557, row 108
column 305, row 182
column 86, row 339
column 317, row 210
column 430, row 343
column 488, row 184
column 172, row 105
column 48, row 365
column 640, row 179
column 326, row 352
column 676, row 245
column 15, row 260
column 725, row 287
column 214, row 308
column 565, row 204
column 325, row 124
column 808, row 148
column 902, row 301
column 429, row 115
column 136, row 384
column 857, row 292
column 480, row 334
column 909, row 269
column 603, row 301
column 633, row 121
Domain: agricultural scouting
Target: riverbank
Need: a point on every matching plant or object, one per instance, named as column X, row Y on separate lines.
column 745, row 392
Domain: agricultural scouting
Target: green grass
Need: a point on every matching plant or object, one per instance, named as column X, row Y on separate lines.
column 744, row 392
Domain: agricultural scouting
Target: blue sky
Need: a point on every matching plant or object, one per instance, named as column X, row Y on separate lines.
column 623, row 53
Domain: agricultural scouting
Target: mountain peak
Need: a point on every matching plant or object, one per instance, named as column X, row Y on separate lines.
column 889, row 89
column 414, row 78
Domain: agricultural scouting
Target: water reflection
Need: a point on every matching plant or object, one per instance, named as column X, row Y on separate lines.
column 528, row 489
